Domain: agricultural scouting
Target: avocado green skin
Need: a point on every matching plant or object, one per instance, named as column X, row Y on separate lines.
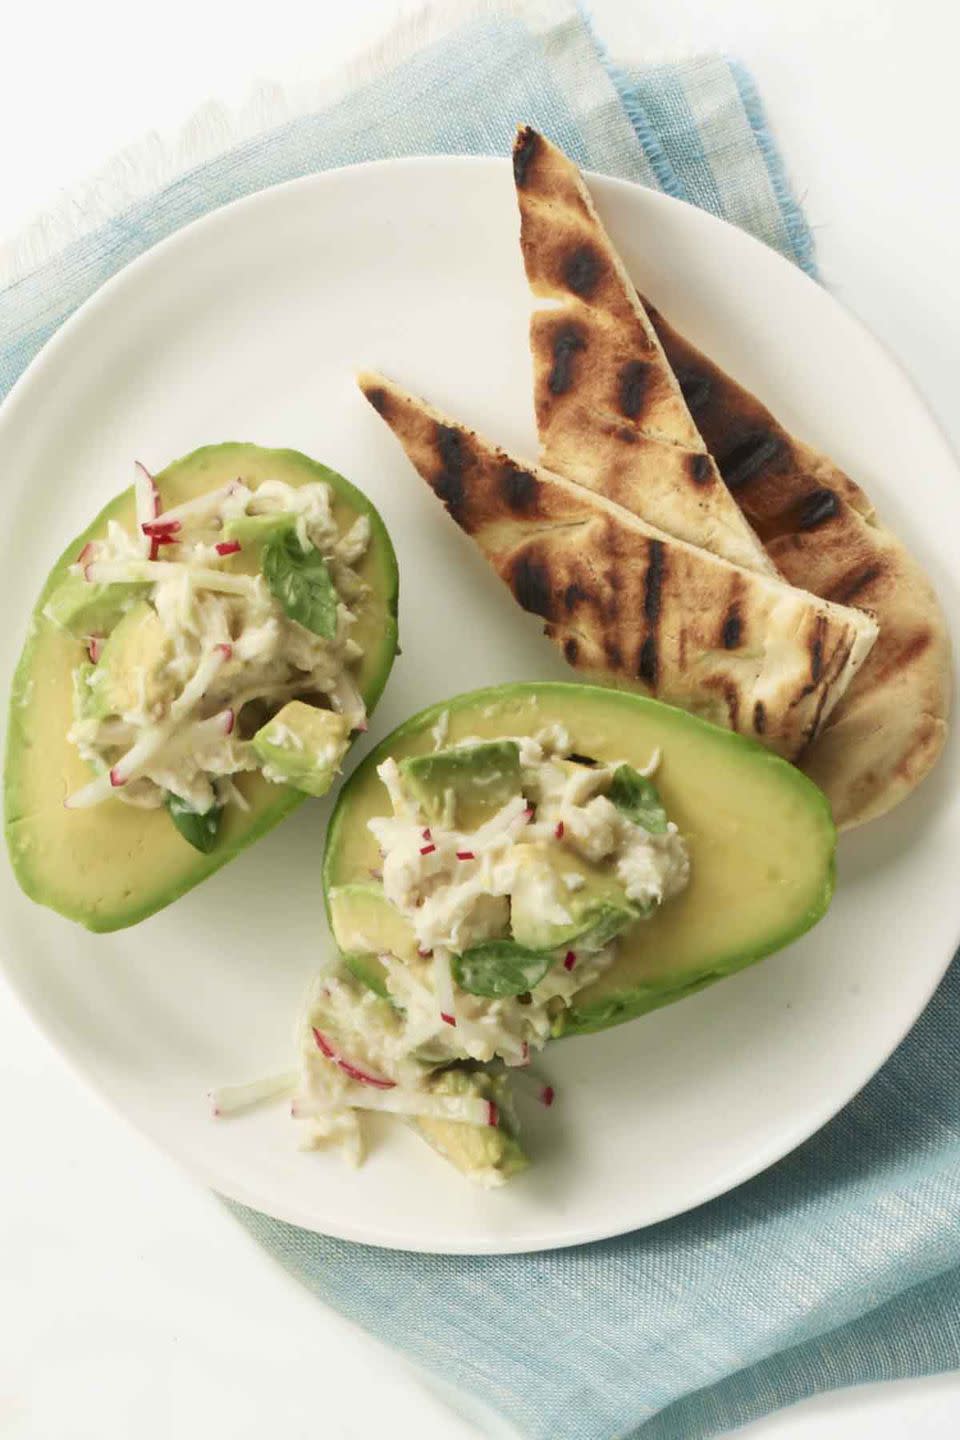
column 264, row 816
column 629, row 1004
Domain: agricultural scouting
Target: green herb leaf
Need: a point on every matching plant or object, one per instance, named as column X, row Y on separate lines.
column 301, row 582
column 497, row 968
column 198, row 827
column 639, row 799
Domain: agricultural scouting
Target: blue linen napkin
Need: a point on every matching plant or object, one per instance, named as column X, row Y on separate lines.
column 842, row 1263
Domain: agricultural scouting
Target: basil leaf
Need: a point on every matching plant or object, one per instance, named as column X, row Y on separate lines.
column 199, row 828
column 301, row 582
column 639, row 799
column 497, row 968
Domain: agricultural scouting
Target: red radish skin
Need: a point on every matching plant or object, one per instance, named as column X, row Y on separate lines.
column 493, row 1114
column 558, row 831
column 547, row 1095
column 116, row 779
column 86, row 555
column 448, row 1019
column 426, row 833
column 229, row 721
column 160, row 527
column 424, row 954
column 93, row 648
column 158, row 538
column 427, row 849
column 228, row 547
column 225, row 650
column 362, row 1077
column 154, row 492
column 466, row 855
column 569, row 960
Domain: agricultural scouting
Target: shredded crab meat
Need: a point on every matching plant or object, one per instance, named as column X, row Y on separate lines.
column 222, row 641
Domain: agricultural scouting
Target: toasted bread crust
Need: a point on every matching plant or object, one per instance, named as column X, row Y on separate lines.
column 822, row 532
column 610, row 413
column 630, row 604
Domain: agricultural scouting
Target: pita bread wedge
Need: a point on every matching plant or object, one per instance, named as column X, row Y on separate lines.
column 630, row 605
column 610, row 413
column 821, row 531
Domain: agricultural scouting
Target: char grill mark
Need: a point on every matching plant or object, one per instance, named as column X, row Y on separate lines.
column 695, row 387
column 817, row 507
column 739, row 465
column 732, row 631
column 530, row 582
column 648, row 663
column 701, row 471
column 567, row 342
column 454, row 458
column 525, row 148
column 653, row 582
column 633, row 381
column 520, row 490
column 582, row 271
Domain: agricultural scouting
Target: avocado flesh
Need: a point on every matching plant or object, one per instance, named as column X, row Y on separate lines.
column 485, row 1152
column 760, row 835
column 112, row 865
column 254, row 529
column 85, row 609
column 597, row 912
column 131, row 665
column 303, row 746
column 366, row 925
column 477, row 780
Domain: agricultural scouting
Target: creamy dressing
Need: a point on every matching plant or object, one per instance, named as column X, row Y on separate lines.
column 221, row 641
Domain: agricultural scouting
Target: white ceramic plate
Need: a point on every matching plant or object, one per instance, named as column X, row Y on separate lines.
column 249, row 326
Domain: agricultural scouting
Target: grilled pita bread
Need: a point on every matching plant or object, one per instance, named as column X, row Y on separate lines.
column 610, row 413
column 820, row 530
column 629, row 604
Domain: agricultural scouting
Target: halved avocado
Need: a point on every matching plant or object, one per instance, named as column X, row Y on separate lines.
column 112, row 865
column 760, row 835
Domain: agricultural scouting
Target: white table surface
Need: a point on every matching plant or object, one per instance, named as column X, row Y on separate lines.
column 131, row 1304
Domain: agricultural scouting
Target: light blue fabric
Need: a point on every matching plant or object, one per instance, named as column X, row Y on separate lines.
column 842, row 1263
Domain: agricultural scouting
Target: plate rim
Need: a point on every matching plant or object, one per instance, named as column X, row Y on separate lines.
column 567, row 1235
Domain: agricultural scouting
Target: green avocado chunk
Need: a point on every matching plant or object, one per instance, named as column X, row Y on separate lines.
column 83, row 609
column 466, row 785
column 255, row 529
column 546, row 914
column 130, row 671
column 112, row 865
column 759, row 834
column 366, row 925
column 488, row 1153
column 303, row 746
